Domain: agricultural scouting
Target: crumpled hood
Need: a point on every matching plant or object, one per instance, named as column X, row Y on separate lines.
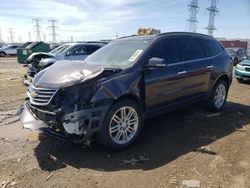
column 40, row 53
column 65, row 73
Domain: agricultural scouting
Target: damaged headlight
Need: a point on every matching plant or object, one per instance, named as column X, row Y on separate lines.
column 77, row 96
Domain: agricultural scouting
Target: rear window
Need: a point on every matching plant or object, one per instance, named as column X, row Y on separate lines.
column 211, row 47
column 190, row 49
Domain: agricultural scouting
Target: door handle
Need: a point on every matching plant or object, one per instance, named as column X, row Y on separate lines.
column 210, row 67
column 182, row 72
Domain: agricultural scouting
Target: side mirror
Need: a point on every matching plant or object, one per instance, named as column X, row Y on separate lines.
column 156, row 62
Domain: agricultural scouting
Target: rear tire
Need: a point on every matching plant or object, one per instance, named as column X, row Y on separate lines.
column 218, row 97
column 2, row 54
column 122, row 125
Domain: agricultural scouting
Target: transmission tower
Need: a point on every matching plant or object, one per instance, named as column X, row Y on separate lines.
column 213, row 11
column 1, row 38
column 53, row 30
column 37, row 29
column 11, row 35
column 192, row 23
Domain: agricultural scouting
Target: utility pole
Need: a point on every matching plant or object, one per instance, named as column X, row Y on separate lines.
column 53, row 30
column 213, row 11
column 192, row 20
column 44, row 37
column 1, row 38
column 37, row 29
column 11, row 35
column 20, row 39
column 29, row 36
column 71, row 38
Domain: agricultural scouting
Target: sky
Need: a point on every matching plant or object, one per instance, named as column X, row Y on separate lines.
column 104, row 19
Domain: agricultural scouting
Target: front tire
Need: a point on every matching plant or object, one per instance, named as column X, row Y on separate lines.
column 218, row 97
column 122, row 125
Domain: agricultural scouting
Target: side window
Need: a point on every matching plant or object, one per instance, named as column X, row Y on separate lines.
column 211, row 47
column 81, row 50
column 190, row 49
column 166, row 49
column 92, row 49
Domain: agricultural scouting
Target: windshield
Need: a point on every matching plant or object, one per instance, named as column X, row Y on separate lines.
column 119, row 53
column 59, row 49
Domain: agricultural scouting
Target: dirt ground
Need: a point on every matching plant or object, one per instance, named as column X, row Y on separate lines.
column 187, row 144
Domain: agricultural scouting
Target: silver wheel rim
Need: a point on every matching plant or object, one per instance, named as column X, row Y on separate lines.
column 220, row 96
column 123, row 125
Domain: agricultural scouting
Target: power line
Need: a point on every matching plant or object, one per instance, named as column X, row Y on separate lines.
column 213, row 11
column 192, row 20
column 11, row 35
column 53, row 30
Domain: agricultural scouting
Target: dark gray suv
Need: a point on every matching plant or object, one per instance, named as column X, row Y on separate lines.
column 115, row 89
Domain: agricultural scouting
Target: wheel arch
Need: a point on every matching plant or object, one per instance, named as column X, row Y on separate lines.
column 131, row 97
column 224, row 77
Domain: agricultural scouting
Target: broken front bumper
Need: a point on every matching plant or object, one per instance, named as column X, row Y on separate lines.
column 77, row 126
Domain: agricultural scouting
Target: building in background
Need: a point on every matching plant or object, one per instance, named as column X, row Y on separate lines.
column 243, row 43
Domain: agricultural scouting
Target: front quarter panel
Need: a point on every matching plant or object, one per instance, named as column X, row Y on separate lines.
column 121, row 85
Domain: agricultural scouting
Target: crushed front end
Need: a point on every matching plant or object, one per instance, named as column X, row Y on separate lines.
column 66, row 113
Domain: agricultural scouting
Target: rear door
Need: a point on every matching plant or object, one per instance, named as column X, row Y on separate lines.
column 196, row 68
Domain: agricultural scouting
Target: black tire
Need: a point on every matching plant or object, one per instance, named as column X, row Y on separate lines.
column 211, row 101
column 105, row 137
column 2, row 54
column 239, row 80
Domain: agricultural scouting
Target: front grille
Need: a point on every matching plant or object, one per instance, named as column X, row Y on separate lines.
column 247, row 69
column 40, row 96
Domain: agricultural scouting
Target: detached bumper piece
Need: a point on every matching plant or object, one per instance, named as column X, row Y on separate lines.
column 78, row 126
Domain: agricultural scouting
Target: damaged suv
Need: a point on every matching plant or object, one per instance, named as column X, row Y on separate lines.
column 115, row 89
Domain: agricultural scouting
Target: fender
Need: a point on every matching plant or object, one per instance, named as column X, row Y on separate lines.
column 125, row 84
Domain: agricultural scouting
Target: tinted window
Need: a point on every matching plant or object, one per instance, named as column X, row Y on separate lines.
column 92, row 49
column 167, row 49
column 211, row 47
column 190, row 49
column 81, row 50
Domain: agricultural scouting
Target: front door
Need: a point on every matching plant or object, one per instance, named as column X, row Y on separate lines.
column 163, row 85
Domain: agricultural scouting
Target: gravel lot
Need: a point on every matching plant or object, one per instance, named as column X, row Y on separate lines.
column 187, row 144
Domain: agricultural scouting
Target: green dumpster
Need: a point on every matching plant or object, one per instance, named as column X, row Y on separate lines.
column 24, row 51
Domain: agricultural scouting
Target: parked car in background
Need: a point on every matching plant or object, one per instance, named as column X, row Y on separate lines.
column 111, row 93
column 8, row 50
column 242, row 71
column 237, row 54
column 71, row 51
